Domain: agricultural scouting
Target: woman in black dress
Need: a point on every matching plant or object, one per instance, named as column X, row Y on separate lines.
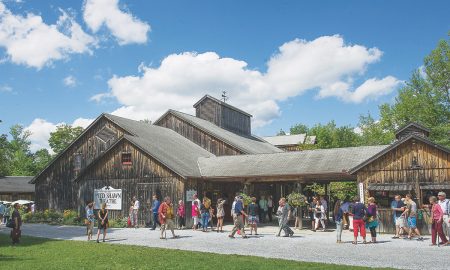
column 102, row 221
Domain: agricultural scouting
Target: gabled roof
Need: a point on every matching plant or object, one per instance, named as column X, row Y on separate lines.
column 165, row 145
column 285, row 139
column 412, row 124
column 221, row 103
column 33, row 180
column 247, row 145
column 320, row 161
column 395, row 145
column 16, row 184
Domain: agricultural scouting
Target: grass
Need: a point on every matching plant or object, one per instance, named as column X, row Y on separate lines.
column 43, row 253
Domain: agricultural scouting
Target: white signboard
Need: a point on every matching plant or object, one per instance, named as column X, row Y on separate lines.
column 189, row 194
column 361, row 192
column 112, row 198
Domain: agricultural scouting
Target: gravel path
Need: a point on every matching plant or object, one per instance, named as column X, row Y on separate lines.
column 304, row 246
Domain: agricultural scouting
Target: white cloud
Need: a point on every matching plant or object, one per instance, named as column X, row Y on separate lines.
column 70, row 81
column 326, row 64
column 123, row 25
column 40, row 131
column 100, row 97
column 5, row 88
column 31, row 42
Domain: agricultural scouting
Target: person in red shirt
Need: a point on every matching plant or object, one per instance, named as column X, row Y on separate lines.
column 437, row 216
column 166, row 216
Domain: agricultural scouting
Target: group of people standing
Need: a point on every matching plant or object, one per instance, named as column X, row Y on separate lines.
column 102, row 221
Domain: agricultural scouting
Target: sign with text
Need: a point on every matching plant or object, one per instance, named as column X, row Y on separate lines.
column 112, row 198
column 189, row 194
column 361, row 192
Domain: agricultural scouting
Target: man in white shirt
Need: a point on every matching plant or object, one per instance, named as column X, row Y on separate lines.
column 445, row 206
column 136, row 206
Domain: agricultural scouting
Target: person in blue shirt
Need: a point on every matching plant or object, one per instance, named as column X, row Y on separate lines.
column 399, row 207
column 338, row 216
column 155, row 207
column 237, row 218
column 2, row 212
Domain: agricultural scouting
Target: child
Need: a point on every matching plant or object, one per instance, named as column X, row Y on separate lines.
column 195, row 213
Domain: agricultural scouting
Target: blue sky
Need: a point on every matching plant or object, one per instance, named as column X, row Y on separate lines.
column 285, row 62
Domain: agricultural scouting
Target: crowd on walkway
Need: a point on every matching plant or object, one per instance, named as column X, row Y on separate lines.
column 353, row 215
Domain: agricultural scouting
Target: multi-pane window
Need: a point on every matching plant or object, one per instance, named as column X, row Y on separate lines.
column 126, row 159
column 77, row 162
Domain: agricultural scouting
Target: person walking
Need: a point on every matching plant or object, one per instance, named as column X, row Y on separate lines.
column 102, row 222
column 166, row 216
column 195, row 213
column 359, row 211
column 399, row 207
column 204, row 211
column 155, row 208
column 253, row 216
column 220, row 214
column 284, row 212
column 338, row 215
column 2, row 212
column 311, row 209
column 17, row 221
column 237, row 218
column 181, row 215
column 319, row 215
column 263, row 208
column 437, row 216
column 136, row 206
column 444, row 203
column 7, row 213
column 90, row 217
column 372, row 221
column 411, row 213
column 270, row 207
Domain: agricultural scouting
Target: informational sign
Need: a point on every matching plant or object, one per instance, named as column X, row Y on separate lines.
column 361, row 192
column 189, row 194
column 112, row 197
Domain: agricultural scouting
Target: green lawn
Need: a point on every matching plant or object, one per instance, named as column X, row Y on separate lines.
column 42, row 253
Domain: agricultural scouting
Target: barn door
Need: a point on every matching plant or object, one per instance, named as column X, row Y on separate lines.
column 144, row 193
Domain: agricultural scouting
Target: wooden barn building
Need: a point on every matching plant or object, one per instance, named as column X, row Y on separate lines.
column 214, row 154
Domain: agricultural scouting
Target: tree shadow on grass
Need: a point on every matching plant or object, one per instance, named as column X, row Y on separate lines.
column 25, row 241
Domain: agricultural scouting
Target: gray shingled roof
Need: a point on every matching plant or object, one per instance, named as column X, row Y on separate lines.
column 246, row 145
column 318, row 161
column 19, row 184
column 168, row 147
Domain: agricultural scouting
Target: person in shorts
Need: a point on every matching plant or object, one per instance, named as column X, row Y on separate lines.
column 253, row 216
column 398, row 206
column 411, row 213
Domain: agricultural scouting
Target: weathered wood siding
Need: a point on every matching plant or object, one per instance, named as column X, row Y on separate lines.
column 143, row 178
column 224, row 117
column 395, row 166
column 208, row 142
column 54, row 186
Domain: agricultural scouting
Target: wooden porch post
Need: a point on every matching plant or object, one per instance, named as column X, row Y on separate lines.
column 300, row 209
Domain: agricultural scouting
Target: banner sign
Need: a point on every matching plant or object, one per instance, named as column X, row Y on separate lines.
column 361, row 192
column 189, row 194
column 112, row 197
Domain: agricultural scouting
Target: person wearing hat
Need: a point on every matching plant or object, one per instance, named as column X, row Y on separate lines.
column 444, row 203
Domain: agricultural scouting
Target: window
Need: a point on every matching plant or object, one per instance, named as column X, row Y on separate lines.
column 126, row 159
column 77, row 162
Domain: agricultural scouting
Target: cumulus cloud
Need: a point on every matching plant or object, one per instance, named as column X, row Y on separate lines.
column 327, row 65
column 29, row 41
column 40, row 131
column 123, row 25
column 70, row 81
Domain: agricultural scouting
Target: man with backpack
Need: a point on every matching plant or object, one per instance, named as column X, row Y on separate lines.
column 444, row 203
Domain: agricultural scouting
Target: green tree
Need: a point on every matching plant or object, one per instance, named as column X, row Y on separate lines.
column 4, row 155
column 424, row 98
column 41, row 159
column 331, row 136
column 372, row 132
column 281, row 133
column 63, row 136
column 21, row 159
column 299, row 129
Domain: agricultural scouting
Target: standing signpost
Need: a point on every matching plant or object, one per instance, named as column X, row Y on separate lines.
column 112, row 197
